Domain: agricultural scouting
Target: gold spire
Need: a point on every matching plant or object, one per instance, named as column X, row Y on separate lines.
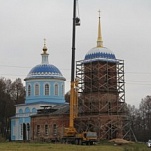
column 99, row 40
column 44, row 48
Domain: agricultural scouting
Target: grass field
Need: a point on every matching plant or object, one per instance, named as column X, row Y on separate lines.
column 12, row 146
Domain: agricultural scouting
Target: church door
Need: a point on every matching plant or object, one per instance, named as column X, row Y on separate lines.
column 24, row 132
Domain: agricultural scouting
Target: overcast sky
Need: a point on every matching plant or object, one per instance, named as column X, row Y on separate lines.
column 126, row 31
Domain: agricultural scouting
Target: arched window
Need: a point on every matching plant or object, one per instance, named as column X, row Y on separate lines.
column 46, row 89
column 36, row 89
column 34, row 110
column 56, row 89
column 20, row 111
column 27, row 110
column 29, row 90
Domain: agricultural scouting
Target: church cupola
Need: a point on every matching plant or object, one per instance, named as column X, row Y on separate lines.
column 45, row 70
column 99, row 53
column 45, row 82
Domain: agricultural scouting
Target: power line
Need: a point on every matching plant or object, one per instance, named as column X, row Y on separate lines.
column 13, row 66
column 12, row 75
column 127, row 81
column 138, row 83
column 138, row 72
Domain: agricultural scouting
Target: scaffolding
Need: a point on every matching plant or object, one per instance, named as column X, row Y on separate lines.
column 101, row 102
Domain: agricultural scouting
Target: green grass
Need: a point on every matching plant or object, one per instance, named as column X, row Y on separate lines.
column 13, row 146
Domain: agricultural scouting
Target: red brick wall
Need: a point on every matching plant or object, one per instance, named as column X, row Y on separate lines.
column 59, row 121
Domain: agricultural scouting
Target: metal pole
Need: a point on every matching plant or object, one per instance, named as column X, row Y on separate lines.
column 71, row 123
column 73, row 42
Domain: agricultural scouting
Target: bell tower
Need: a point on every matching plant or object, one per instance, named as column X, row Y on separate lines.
column 101, row 92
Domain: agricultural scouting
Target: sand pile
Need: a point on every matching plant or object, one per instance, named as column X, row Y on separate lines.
column 120, row 141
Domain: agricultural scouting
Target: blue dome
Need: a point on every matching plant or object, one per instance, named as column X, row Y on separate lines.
column 45, row 71
column 100, row 53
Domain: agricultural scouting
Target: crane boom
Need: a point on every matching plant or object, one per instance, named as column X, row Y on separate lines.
column 72, row 93
column 70, row 133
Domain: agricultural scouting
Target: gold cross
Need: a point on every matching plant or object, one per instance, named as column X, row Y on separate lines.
column 99, row 13
column 44, row 41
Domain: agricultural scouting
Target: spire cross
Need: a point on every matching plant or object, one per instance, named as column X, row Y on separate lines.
column 44, row 42
column 99, row 13
column 99, row 40
column 44, row 48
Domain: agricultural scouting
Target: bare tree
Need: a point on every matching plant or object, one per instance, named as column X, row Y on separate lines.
column 141, row 119
column 17, row 91
column 10, row 95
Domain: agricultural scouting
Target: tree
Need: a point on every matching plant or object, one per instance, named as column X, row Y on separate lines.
column 141, row 119
column 10, row 95
column 6, row 106
column 17, row 91
column 145, row 116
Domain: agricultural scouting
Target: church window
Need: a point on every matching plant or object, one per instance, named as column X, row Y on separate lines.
column 34, row 110
column 109, row 106
column 36, row 89
column 62, row 90
column 56, row 89
column 20, row 111
column 90, row 105
column 46, row 89
column 54, row 129
column 46, row 129
column 27, row 110
column 38, row 129
column 29, row 90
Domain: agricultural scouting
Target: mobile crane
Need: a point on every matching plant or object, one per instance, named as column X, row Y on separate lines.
column 70, row 133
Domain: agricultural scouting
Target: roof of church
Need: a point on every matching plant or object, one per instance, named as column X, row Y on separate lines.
column 55, row 110
column 45, row 70
column 99, row 53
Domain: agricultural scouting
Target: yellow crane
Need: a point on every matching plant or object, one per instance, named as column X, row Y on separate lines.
column 70, row 133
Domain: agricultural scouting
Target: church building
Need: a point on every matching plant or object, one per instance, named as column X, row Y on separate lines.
column 101, row 98
column 102, row 92
column 45, row 86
